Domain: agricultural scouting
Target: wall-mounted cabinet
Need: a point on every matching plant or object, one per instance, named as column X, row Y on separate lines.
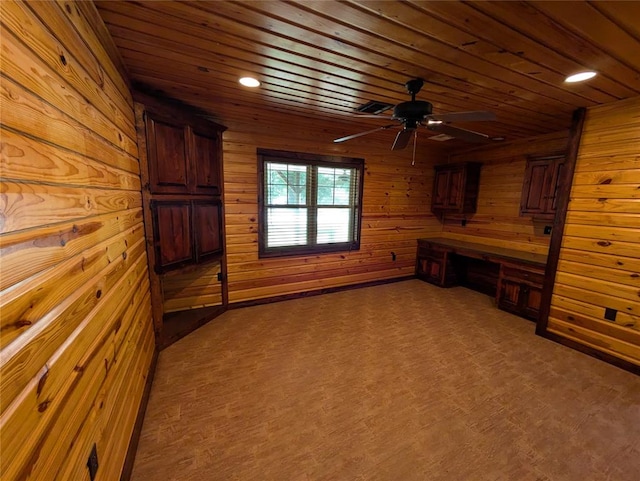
column 182, row 159
column 184, row 162
column 542, row 181
column 182, row 190
column 185, row 232
column 455, row 188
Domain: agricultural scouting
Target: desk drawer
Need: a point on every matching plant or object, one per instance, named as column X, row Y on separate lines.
column 529, row 274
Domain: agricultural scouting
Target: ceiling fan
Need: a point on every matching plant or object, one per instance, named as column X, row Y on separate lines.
column 418, row 113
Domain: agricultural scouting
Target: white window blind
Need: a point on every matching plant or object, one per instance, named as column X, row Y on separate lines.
column 309, row 206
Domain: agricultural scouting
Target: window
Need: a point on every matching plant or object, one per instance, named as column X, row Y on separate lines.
column 308, row 203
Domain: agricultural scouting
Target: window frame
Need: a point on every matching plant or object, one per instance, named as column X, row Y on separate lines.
column 313, row 160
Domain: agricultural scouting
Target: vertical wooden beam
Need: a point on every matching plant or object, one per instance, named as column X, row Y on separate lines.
column 154, row 278
column 559, row 221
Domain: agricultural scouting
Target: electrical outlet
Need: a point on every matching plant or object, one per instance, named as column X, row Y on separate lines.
column 610, row 314
column 547, row 230
column 92, row 463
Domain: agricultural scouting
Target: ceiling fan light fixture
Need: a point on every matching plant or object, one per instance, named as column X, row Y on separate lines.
column 580, row 77
column 249, row 82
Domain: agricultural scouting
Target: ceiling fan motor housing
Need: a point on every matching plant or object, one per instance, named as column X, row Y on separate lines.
column 414, row 110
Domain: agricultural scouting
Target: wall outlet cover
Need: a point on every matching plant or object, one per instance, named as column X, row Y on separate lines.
column 610, row 314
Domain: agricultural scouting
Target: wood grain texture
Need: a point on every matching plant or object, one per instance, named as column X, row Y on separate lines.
column 396, row 210
column 497, row 220
column 191, row 288
column 325, row 58
column 599, row 263
column 76, row 332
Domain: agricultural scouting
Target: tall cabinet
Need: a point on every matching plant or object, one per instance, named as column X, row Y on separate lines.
column 182, row 186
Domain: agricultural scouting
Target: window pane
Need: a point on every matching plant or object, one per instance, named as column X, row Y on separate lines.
column 286, row 226
column 326, row 176
column 277, row 173
column 286, row 184
column 344, row 192
column 310, row 205
column 325, row 196
column 277, row 194
column 336, row 186
column 333, row 225
column 297, row 195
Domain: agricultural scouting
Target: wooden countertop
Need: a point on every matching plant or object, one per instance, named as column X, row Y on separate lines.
column 483, row 251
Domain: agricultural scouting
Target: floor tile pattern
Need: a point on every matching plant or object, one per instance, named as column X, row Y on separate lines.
column 404, row 381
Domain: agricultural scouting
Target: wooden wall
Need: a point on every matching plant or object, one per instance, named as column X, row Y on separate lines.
column 77, row 337
column 497, row 220
column 396, row 206
column 191, row 288
column 599, row 263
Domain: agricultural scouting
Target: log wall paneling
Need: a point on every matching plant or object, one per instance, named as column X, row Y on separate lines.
column 497, row 219
column 599, row 260
column 76, row 330
column 192, row 288
column 396, row 208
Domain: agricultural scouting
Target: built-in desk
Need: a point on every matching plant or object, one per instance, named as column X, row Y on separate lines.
column 514, row 277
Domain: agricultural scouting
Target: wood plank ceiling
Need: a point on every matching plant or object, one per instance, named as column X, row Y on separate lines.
column 323, row 59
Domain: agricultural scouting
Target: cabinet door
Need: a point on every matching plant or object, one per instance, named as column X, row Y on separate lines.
column 207, row 228
column 434, row 270
column 440, row 189
column 535, row 188
column 531, row 302
column 172, row 229
column 509, row 295
column 455, row 189
column 430, row 269
column 167, row 157
column 205, row 163
column 556, row 182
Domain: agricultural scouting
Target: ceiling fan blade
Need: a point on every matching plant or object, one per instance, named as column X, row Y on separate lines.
column 354, row 136
column 402, row 139
column 473, row 116
column 374, row 116
column 458, row 133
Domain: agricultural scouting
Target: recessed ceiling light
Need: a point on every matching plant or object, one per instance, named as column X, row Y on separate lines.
column 579, row 77
column 249, row 82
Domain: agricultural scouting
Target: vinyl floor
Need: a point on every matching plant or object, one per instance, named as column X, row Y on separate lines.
column 404, row 381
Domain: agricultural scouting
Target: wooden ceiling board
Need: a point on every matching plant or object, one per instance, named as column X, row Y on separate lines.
column 507, row 39
column 448, row 104
column 558, row 34
column 322, row 59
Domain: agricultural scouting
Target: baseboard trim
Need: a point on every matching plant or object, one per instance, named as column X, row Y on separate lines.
column 603, row 356
column 127, row 468
column 316, row 292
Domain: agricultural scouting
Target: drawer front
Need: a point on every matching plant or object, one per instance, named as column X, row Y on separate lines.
column 528, row 274
column 432, row 253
